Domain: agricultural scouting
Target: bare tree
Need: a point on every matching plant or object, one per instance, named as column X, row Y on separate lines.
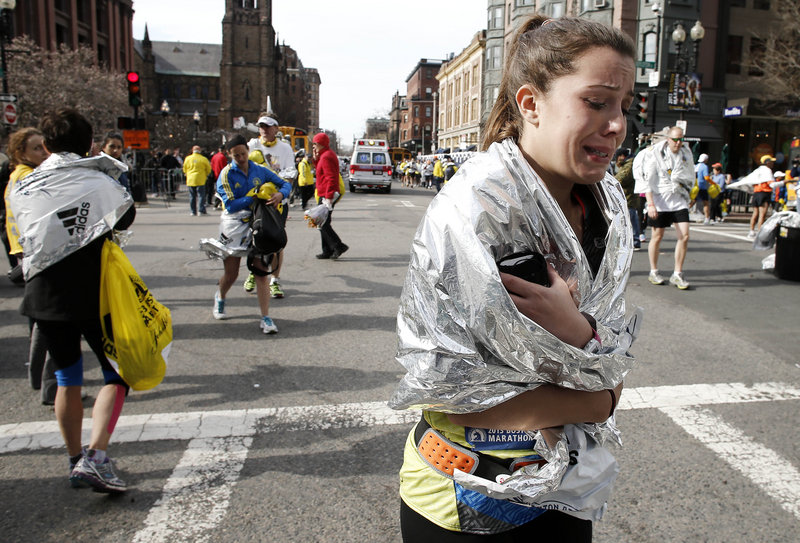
column 44, row 80
column 774, row 55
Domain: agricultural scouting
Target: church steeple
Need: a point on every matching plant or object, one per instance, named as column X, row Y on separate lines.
column 147, row 46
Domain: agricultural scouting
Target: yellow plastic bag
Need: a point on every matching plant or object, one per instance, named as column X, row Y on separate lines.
column 137, row 330
column 341, row 191
column 713, row 190
column 694, row 192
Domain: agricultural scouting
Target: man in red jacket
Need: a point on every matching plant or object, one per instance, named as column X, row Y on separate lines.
column 327, row 190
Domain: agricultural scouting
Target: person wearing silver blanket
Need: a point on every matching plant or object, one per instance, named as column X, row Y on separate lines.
column 518, row 381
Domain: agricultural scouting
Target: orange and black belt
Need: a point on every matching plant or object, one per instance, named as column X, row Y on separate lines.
column 444, row 456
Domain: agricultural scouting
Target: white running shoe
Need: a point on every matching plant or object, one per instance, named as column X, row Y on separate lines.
column 677, row 279
column 268, row 326
column 219, row 307
column 655, row 277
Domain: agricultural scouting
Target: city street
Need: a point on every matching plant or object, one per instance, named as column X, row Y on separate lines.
column 286, row 438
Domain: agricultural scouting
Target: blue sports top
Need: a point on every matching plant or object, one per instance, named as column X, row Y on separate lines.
column 233, row 185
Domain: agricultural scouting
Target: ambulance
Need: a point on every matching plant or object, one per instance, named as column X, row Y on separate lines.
column 370, row 166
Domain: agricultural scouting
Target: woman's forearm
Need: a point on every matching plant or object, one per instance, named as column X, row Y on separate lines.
column 543, row 407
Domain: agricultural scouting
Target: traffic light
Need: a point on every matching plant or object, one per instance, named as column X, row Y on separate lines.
column 641, row 107
column 134, row 92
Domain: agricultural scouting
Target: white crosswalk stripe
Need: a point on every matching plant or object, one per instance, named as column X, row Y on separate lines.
column 196, row 495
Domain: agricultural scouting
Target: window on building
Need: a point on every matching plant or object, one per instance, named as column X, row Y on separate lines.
column 761, row 4
column 508, row 15
column 193, row 92
column 84, row 10
column 428, row 91
column 496, row 18
column 457, row 114
column 734, row 63
column 524, row 3
column 757, row 50
column 586, row 5
column 62, row 5
column 204, row 92
column 405, row 118
column 427, row 111
column 101, row 15
column 441, row 120
column 62, row 35
column 416, row 111
column 405, row 134
column 416, row 130
column 164, row 91
column 474, row 74
column 465, row 112
column 458, row 88
column 474, row 112
column 177, row 90
column 556, row 10
column 493, row 59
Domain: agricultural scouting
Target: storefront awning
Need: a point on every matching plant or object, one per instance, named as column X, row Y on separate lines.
column 705, row 132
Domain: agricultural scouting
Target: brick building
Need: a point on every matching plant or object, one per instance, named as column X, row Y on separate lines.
column 416, row 126
column 103, row 25
column 232, row 80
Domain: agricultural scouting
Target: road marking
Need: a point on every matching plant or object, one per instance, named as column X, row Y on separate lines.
column 767, row 469
column 199, row 424
column 405, row 203
column 196, row 496
column 718, row 233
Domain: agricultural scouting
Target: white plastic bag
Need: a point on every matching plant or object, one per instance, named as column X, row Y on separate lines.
column 317, row 216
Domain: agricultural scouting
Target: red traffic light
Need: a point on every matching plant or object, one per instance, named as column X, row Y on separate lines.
column 133, row 77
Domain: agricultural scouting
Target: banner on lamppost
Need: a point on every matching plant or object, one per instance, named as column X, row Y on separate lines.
column 684, row 91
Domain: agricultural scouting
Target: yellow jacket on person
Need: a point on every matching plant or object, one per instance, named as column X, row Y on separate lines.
column 438, row 170
column 196, row 168
column 20, row 172
column 304, row 175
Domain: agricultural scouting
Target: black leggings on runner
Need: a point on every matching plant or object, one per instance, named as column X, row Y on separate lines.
column 549, row 526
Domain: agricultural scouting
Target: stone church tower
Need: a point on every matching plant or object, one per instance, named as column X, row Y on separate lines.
column 250, row 61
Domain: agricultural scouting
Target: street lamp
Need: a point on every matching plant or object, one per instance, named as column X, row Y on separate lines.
column 6, row 6
column 196, row 118
column 696, row 33
column 165, row 108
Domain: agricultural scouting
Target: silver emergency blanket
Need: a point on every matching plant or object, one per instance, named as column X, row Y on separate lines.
column 768, row 233
column 465, row 345
column 235, row 236
column 64, row 204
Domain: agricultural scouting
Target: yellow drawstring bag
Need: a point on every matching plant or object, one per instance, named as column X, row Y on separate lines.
column 341, row 191
column 137, row 329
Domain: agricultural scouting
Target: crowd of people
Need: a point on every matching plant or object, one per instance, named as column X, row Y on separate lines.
column 428, row 173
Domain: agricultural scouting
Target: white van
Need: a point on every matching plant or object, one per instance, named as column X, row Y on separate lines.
column 370, row 166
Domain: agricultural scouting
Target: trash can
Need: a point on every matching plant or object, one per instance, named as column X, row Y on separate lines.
column 787, row 253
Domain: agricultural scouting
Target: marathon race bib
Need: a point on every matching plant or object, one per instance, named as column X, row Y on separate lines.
column 487, row 439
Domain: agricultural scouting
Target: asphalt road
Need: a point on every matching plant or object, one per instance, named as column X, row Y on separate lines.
column 285, row 438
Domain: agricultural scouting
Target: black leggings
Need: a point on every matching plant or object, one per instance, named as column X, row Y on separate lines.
column 549, row 526
column 63, row 339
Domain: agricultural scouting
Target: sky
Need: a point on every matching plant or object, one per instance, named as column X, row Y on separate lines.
column 364, row 49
